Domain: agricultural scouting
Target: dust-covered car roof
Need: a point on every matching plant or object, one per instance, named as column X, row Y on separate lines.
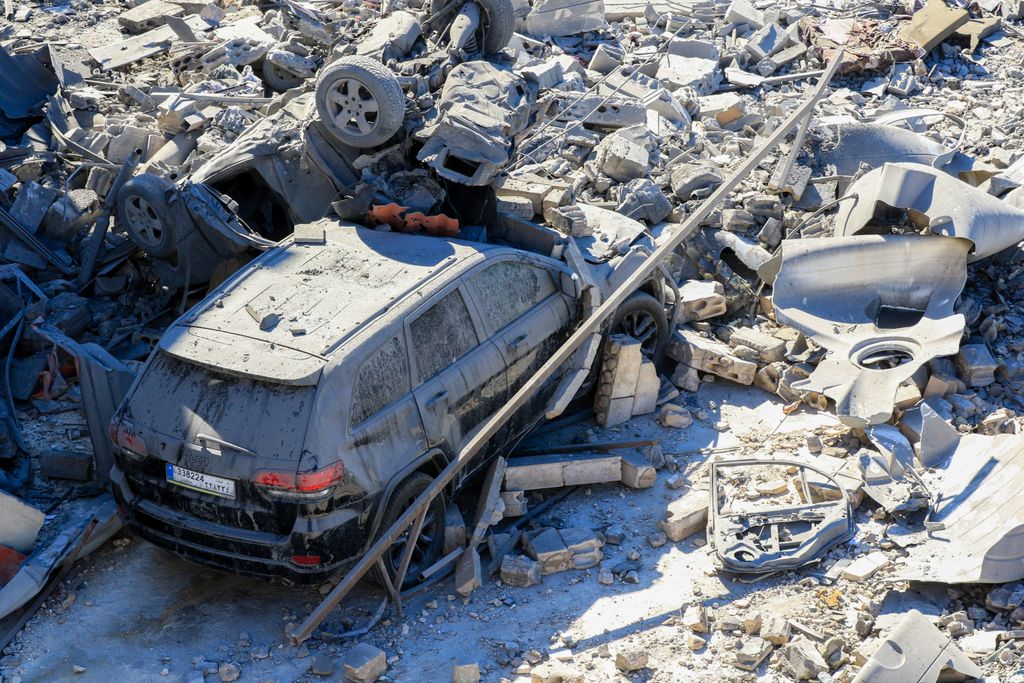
column 281, row 316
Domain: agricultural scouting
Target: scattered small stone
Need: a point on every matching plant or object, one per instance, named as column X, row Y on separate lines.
column 229, row 671
column 631, row 659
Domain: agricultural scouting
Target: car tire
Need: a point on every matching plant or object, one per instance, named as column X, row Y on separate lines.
column 143, row 210
column 279, row 80
column 501, row 21
column 360, row 102
column 431, row 541
column 643, row 317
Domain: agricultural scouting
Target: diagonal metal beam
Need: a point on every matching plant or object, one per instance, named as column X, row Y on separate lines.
column 589, row 326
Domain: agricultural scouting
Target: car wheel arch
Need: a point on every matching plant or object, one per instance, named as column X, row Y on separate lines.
column 431, row 462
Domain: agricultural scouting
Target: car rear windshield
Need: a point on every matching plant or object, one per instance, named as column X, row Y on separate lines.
column 180, row 399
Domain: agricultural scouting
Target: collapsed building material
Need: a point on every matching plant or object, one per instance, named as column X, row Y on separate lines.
column 916, row 651
column 763, row 537
column 937, row 202
column 852, row 295
column 978, row 477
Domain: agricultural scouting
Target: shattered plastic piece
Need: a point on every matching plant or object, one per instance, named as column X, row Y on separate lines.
column 976, row 534
column 769, row 536
column 402, row 220
column 940, row 202
column 882, row 306
column 916, row 651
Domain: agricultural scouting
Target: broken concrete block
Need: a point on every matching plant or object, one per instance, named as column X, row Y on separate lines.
column 801, row 660
column 865, row 566
column 902, row 82
column 520, row 207
column 466, row 673
column 632, row 659
column 752, row 652
column 19, row 523
column 686, row 515
column 933, row 24
column 726, row 107
column 642, row 200
column 695, row 618
column 686, row 378
column 710, row 355
column 775, row 629
column 515, row 503
column 31, row 204
column 768, row 40
column 468, row 575
column 173, row 114
column 70, row 214
column 365, row 663
column 695, row 181
column 637, row 472
column 455, row 535
column 557, row 18
column 620, row 371
column 606, row 58
column 648, row 385
column 528, row 186
column 520, row 571
column 148, row 15
column 548, row 548
column 769, row 349
column 690, row 64
column 552, row 471
column 976, row 365
column 585, row 546
column 702, row 299
column 622, row 159
column 744, row 12
column 675, row 416
column 63, row 464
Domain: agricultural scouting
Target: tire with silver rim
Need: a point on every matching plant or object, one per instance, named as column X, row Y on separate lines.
column 143, row 210
column 360, row 101
column 430, row 543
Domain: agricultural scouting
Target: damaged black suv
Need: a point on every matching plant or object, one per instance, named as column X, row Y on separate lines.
column 301, row 406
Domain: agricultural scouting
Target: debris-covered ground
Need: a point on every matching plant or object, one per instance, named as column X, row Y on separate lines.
column 792, row 454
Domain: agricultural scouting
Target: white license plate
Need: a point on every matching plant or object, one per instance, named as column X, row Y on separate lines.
column 197, row 481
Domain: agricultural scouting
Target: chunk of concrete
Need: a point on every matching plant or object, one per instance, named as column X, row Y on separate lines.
column 31, row 204
column 19, row 523
column 801, row 660
column 620, row 371
column 622, row 159
column 520, row 571
column 365, row 663
column 686, row 515
column 148, row 15
column 767, row 41
column 710, row 355
column 675, row 416
column 466, row 673
column 726, row 107
column 552, row 471
column 752, row 652
column 558, row 18
column 702, row 299
column 933, row 24
column 865, row 566
column 769, row 349
column 468, row 575
column 775, row 629
column 548, row 548
column 976, row 365
column 637, row 472
column 648, row 385
column 691, row 64
column 631, row 659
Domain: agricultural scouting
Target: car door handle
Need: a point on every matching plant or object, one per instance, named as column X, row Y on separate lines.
column 436, row 397
column 514, row 344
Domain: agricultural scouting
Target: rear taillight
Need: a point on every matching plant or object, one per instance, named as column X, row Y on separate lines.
column 306, row 560
column 125, row 438
column 303, row 484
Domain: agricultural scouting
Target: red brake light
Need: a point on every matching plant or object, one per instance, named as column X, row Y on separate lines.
column 127, row 440
column 304, row 482
column 306, row 560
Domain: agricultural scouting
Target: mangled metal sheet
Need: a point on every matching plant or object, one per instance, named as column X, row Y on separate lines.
column 771, row 515
column 882, row 306
column 916, row 651
column 936, row 201
column 975, row 531
column 481, row 108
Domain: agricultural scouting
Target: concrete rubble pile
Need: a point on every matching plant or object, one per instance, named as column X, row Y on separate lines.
column 870, row 269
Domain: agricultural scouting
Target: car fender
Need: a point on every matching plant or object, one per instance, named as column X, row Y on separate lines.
column 434, row 454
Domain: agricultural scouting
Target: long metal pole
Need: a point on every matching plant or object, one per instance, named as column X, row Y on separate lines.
column 588, row 327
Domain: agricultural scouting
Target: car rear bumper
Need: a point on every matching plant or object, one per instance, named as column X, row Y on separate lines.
column 241, row 551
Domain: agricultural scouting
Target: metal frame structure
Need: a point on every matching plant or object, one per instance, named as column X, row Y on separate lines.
column 416, row 512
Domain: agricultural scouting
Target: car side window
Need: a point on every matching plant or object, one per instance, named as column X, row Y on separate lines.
column 442, row 335
column 382, row 378
column 508, row 289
